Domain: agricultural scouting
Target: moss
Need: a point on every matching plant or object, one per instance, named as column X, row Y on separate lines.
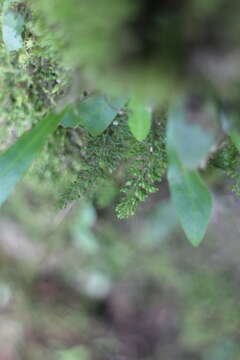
column 31, row 81
column 36, row 79
column 228, row 162
column 132, row 168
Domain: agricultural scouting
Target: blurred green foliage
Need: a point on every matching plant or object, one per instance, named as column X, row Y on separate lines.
column 75, row 282
column 92, row 276
column 54, row 82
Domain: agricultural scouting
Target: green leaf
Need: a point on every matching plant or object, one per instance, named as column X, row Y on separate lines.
column 95, row 113
column 191, row 198
column 192, row 141
column 16, row 160
column 188, row 145
column 12, row 28
column 70, row 117
column 139, row 120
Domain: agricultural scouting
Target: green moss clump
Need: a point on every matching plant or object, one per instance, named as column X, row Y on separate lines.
column 31, row 80
column 116, row 158
column 228, row 161
column 36, row 79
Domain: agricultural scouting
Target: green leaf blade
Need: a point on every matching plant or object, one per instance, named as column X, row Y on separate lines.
column 139, row 120
column 191, row 198
column 94, row 113
column 16, row 160
column 70, row 117
column 192, row 141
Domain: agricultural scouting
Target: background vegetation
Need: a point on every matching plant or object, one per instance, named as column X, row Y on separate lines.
column 143, row 98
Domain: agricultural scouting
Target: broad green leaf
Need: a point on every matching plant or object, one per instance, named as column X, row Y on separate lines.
column 95, row 113
column 16, row 160
column 139, row 119
column 12, row 28
column 192, row 141
column 70, row 117
column 191, row 198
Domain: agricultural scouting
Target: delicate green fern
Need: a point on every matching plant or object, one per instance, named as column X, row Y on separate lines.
column 147, row 165
column 135, row 167
column 227, row 159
